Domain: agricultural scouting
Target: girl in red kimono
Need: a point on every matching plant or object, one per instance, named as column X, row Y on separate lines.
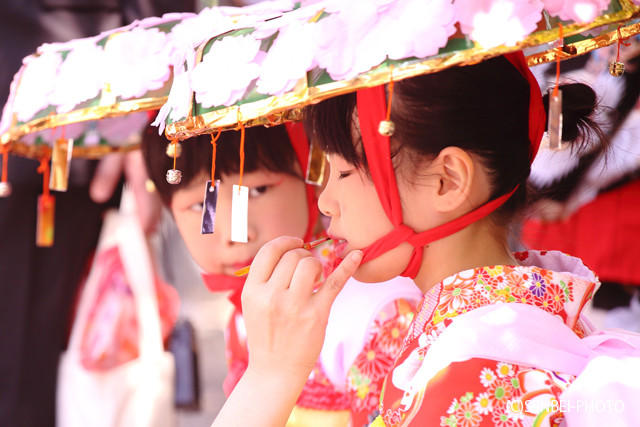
column 497, row 339
column 363, row 340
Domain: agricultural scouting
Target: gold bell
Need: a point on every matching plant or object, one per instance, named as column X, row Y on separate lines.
column 387, row 128
column 171, row 150
column 174, row 176
column 5, row 189
column 616, row 69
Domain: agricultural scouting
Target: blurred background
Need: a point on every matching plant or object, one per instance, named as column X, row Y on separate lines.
column 38, row 286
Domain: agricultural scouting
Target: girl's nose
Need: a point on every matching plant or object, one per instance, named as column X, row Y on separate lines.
column 327, row 202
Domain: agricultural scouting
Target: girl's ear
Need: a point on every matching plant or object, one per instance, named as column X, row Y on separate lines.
column 456, row 172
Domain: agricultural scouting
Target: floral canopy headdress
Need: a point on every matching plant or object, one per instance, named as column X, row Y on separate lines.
column 328, row 48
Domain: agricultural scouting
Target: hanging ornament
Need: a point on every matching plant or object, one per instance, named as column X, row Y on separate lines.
column 60, row 163
column 616, row 69
column 149, row 186
column 554, row 130
column 210, row 203
column 174, row 176
column 315, row 165
column 387, row 127
column 5, row 186
column 240, row 199
column 315, row 157
column 174, row 150
column 46, row 208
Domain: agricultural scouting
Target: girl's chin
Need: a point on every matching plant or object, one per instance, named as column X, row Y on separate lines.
column 368, row 273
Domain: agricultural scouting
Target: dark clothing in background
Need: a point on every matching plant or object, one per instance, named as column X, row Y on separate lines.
column 38, row 285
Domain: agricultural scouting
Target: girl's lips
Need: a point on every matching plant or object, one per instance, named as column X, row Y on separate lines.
column 339, row 247
column 241, row 264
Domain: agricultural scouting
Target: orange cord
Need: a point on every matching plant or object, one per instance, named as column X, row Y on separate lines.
column 174, row 142
column 241, row 127
column 241, row 155
column 390, row 94
column 561, row 37
column 213, row 155
column 44, row 170
column 621, row 41
column 5, row 159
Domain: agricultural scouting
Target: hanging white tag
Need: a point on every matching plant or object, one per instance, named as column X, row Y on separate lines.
column 239, row 214
column 209, row 207
column 555, row 121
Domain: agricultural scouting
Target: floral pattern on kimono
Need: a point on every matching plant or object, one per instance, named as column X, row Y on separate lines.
column 481, row 392
column 366, row 376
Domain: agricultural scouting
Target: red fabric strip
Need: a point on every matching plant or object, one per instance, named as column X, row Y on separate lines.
column 537, row 114
column 371, row 111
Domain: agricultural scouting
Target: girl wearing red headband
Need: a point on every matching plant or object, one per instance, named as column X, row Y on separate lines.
column 436, row 202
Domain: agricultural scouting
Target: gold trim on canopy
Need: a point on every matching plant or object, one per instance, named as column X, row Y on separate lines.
column 39, row 151
column 85, row 114
column 279, row 109
column 582, row 47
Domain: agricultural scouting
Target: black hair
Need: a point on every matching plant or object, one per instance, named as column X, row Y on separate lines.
column 482, row 108
column 562, row 188
column 264, row 149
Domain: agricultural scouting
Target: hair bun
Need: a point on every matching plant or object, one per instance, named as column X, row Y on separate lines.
column 579, row 108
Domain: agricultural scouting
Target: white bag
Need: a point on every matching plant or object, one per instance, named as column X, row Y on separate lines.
column 139, row 393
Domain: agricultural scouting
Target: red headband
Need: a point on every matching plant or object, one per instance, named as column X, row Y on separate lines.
column 300, row 144
column 371, row 111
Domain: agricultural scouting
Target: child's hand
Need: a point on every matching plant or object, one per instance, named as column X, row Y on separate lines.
column 285, row 319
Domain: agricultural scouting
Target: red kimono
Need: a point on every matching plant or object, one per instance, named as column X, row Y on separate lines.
column 477, row 392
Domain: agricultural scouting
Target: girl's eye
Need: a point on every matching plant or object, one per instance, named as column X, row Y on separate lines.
column 258, row 191
column 344, row 174
column 196, row 207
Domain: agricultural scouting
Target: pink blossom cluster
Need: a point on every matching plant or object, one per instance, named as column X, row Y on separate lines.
column 136, row 60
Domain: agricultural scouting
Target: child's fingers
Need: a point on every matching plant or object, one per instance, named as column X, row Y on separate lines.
column 269, row 256
column 336, row 280
column 283, row 273
column 307, row 273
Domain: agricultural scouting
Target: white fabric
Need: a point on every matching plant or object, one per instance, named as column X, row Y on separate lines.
column 351, row 318
column 139, row 393
column 606, row 363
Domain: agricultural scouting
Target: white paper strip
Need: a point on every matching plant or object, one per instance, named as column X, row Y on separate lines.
column 239, row 214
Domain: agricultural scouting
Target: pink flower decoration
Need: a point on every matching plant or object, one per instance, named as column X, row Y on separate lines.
column 261, row 8
column 79, row 77
column 137, row 61
column 345, row 45
column 226, row 71
column 36, row 85
column 362, row 34
column 301, row 15
column 496, row 22
column 583, row 11
column 417, row 28
column 7, row 110
column 288, row 60
column 194, row 30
